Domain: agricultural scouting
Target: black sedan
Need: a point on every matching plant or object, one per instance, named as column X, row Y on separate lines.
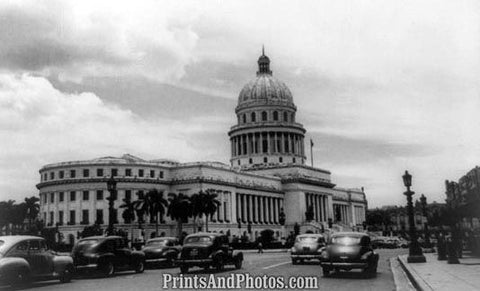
column 347, row 251
column 162, row 250
column 106, row 255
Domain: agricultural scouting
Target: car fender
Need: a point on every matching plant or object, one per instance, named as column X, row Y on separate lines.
column 170, row 253
column 237, row 255
column 60, row 263
column 138, row 255
column 8, row 265
column 105, row 257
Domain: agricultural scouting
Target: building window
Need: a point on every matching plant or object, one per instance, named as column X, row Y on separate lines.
column 128, row 172
column 140, row 172
column 72, row 196
column 51, row 218
column 72, row 173
column 45, row 198
column 265, row 160
column 52, row 175
column 239, row 162
column 128, row 195
column 85, row 216
column 114, row 172
column 60, row 197
column 61, row 174
column 280, row 159
column 52, row 197
column 152, row 173
column 99, row 172
column 86, row 173
column 72, row 217
column 99, row 218
column 285, row 116
column 264, row 116
column 161, row 175
column 45, row 177
column 244, row 118
column 99, row 194
column 275, row 115
column 294, row 160
column 250, row 161
column 253, row 117
column 60, row 217
column 85, row 195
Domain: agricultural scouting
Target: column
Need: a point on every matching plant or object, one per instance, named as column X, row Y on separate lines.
column 282, row 142
column 237, row 207
column 242, row 206
column 275, row 213
column 260, row 209
column 265, row 210
column 254, row 144
column 316, row 207
column 269, row 209
column 260, row 142
column 255, row 208
column 250, row 208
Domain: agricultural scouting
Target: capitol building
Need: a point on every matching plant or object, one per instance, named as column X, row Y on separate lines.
column 267, row 175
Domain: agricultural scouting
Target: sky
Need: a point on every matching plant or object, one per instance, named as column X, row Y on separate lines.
column 381, row 86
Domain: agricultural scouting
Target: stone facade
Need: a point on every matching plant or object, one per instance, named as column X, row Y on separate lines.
column 267, row 175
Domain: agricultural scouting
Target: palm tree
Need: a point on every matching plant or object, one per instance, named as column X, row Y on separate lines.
column 210, row 205
column 18, row 216
column 179, row 209
column 157, row 206
column 197, row 206
column 6, row 213
column 128, row 213
column 141, row 207
column 33, row 208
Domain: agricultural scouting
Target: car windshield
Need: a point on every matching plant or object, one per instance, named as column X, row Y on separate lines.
column 86, row 244
column 200, row 239
column 346, row 240
column 157, row 242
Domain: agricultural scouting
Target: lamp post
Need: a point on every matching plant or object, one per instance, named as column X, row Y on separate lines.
column 415, row 254
column 281, row 220
column 112, row 189
column 423, row 201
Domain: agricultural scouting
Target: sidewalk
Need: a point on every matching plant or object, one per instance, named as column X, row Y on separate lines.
column 264, row 250
column 438, row 275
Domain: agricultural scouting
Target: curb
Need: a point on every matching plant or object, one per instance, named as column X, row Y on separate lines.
column 416, row 281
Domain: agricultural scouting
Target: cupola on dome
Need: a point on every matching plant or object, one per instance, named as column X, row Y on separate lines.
column 265, row 88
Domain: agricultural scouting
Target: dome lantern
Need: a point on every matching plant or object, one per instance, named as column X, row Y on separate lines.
column 263, row 64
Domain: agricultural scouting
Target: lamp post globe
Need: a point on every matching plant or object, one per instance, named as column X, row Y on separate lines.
column 415, row 254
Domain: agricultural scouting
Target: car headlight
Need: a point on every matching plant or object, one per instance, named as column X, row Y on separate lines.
column 365, row 255
column 324, row 255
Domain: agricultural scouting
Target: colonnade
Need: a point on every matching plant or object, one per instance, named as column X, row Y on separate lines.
column 223, row 213
column 345, row 213
column 319, row 204
column 267, row 143
column 258, row 209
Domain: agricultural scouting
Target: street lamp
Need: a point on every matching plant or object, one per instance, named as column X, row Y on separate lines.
column 415, row 254
column 423, row 201
column 112, row 189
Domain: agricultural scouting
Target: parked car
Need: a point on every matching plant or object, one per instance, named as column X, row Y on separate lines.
column 25, row 258
column 162, row 250
column 106, row 254
column 208, row 250
column 307, row 247
column 347, row 251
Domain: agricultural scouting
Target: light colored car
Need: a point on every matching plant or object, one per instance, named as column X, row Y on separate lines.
column 307, row 247
column 25, row 258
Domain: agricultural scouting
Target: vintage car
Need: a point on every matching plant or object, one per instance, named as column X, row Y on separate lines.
column 106, row 254
column 25, row 258
column 307, row 247
column 208, row 250
column 162, row 250
column 347, row 251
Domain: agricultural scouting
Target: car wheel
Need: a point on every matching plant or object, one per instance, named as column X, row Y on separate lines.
column 238, row 264
column 326, row 272
column 19, row 278
column 108, row 269
column 294, row 261
column 139, row 267
column 67, row 274
column 219, row 264
column 183, row 269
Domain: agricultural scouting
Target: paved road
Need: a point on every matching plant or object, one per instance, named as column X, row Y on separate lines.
column 272, row 264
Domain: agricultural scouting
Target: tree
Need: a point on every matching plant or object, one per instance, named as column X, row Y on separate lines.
column 128, row 214
column 33, row 208
column 196, row 206
column 179, row 209
column 141, row 207
column 157, row 206
column 210, row 205
column 6, row 212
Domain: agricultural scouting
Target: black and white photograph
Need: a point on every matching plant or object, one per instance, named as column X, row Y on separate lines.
column 239, row 145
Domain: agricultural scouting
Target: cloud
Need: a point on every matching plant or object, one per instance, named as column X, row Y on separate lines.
column 40, row 125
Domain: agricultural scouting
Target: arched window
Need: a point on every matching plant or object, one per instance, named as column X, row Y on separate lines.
column 244, row 118
column 264, row 116
column 285, row 116
column 275, row 115
column 253, row 117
